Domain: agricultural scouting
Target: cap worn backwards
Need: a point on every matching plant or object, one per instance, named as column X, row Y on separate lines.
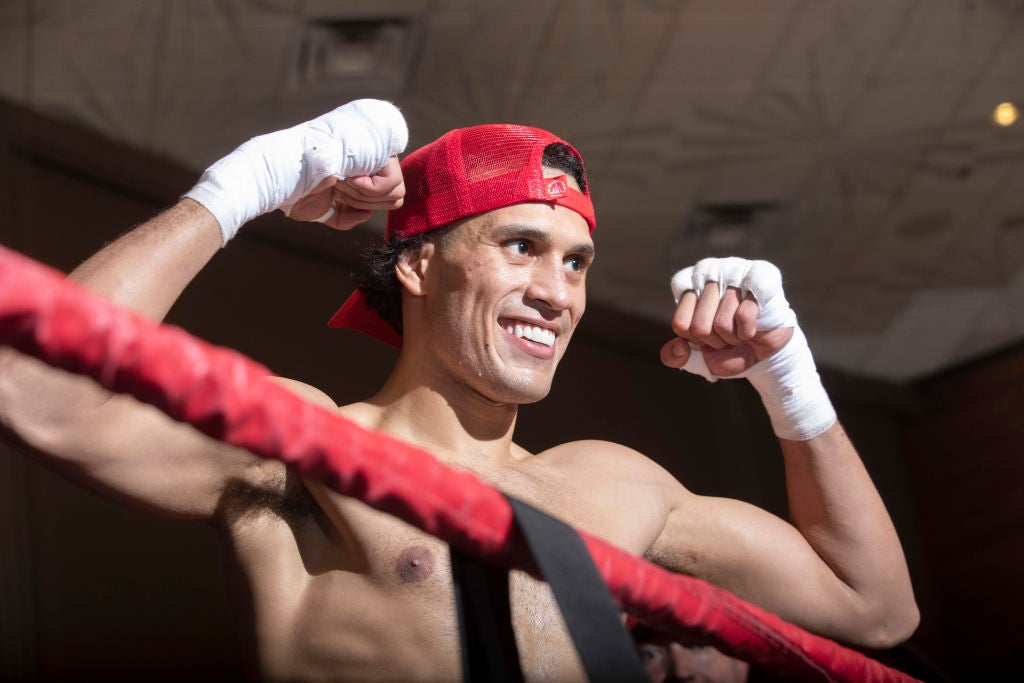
column 466, row 172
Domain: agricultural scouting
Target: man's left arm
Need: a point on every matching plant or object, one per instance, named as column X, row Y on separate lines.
column 836, row 507
column 732, row 320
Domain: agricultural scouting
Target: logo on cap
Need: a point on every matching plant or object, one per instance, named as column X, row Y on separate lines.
column 557, row 187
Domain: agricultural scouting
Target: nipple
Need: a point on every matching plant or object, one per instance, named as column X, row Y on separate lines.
column 414, row 564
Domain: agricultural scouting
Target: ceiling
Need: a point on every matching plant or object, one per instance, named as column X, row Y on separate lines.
column 849, row 142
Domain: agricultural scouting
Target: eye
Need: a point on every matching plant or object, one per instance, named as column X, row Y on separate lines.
column 577, row 262
column 519, row 246
column 650, row 653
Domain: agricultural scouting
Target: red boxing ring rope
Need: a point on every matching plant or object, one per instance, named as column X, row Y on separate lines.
column 231, row 398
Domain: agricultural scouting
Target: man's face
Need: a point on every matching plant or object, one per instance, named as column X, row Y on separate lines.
column 667, row 662
column 505, row 291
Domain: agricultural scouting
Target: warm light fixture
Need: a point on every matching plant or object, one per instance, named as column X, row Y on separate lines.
column 1005, row 114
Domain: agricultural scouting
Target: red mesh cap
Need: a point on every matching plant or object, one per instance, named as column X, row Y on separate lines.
column 466, row 172
column 469, row 171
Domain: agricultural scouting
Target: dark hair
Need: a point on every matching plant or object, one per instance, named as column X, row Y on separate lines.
column 380, row 285
column 561, row 157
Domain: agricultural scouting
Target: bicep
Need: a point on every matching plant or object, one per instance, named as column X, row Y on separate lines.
column 759, row 558
column 156, row 463
column 139, row 456
column 123, row 448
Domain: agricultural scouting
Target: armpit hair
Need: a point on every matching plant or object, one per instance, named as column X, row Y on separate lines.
column 280, row 494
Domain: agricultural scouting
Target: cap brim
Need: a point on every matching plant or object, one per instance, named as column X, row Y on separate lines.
column 354, row 314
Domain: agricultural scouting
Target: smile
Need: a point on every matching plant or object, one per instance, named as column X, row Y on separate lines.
column 538, row 335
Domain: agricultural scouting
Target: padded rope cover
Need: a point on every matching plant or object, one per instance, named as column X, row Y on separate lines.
column 232, row 399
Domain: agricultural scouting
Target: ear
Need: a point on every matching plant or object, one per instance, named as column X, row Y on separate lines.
column 411, row 268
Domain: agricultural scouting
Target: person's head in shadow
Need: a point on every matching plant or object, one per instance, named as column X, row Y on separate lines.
column 666, row 660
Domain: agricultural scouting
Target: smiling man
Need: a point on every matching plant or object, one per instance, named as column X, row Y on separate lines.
column 481, row 218
column 481, row 282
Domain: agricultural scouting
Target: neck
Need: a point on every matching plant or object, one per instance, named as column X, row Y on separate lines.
column 451, row 420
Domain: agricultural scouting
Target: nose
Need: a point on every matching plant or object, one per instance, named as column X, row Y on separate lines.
column 549, row 285
column 681, row 665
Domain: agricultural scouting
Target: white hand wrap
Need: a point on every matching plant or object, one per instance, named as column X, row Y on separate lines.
column 788, row 380
column 276, row 170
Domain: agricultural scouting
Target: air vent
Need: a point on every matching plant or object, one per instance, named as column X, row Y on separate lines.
column 727, row 225
column 362, row 54
column 732, row 213
column 723, row 229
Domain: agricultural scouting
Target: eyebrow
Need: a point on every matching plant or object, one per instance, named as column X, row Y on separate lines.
column 511, row 230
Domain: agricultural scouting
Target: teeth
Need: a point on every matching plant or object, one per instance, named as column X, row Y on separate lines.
column 533, row 333
column 542, row 336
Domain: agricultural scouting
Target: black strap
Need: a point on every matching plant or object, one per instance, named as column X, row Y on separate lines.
column 489, row 650
column 595, row 622
column 485, row 622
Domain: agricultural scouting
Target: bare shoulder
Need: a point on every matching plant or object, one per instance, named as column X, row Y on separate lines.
column 607, row 489
column 609, row 459
column 307, row 392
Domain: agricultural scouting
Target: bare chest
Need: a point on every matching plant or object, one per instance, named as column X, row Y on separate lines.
column 354, row 594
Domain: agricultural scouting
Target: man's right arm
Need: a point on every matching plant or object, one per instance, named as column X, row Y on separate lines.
column 113, row 442
column 129, row 449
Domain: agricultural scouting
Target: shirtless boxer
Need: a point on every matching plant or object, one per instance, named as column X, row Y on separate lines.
column 488, row 302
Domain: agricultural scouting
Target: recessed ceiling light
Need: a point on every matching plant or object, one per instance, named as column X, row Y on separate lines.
column 1005, row 114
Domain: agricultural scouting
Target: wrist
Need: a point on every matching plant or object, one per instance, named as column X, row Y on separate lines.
column 791, row 390
column 240, row 186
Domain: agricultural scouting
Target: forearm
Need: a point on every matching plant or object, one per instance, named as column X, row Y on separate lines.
column 149, row 267
column 837, row 508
